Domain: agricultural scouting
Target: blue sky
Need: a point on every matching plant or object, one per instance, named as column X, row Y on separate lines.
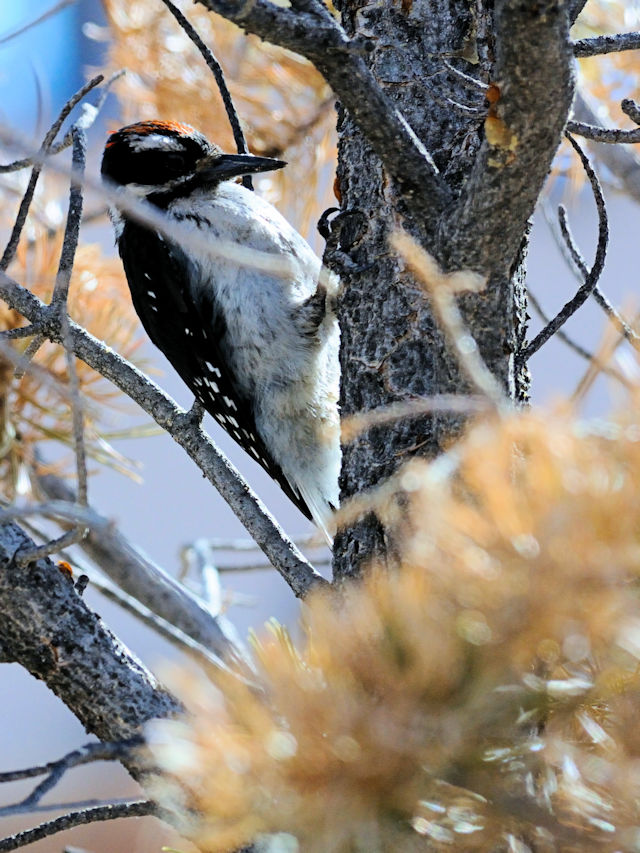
column 45, row 64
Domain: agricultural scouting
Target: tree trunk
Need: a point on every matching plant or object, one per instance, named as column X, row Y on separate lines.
column 391, row 347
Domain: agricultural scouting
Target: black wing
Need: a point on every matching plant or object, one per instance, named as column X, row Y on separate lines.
column 190, row 335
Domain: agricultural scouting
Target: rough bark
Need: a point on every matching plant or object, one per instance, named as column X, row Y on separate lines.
column 49, row 630
column 494, row 161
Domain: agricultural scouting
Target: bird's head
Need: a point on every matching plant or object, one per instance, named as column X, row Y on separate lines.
column 165, row 157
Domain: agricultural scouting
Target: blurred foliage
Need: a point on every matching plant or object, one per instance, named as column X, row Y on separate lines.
column 609, row 79
column 484, row 696
column 36, row 406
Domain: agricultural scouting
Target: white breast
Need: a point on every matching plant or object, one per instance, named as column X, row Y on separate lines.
column 292, row 378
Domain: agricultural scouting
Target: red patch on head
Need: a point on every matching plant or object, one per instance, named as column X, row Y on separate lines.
column 146, row 128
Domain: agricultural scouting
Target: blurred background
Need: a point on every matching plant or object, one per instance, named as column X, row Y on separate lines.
column 166, row 504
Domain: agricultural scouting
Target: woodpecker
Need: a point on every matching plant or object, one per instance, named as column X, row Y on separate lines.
column 258, row 349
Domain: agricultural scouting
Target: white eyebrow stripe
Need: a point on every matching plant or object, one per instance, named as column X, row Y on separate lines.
column 151, row 141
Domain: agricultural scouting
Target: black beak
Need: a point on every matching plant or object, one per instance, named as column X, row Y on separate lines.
column 227, row 166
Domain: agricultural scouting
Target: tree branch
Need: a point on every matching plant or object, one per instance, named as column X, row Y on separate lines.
column 591, row 280
column 110, row 811
column 218, row 75
column 574, row 8
column 89, row 115
column 143, row 580
column 58, row 305
column 55, row 770
column 322, row 41
column 621, row 160
column 578, row 264
column 282, row 554
column 528, row 110
column 612, row 135
column 49, row 630
column 51, row 134
column 606, row 44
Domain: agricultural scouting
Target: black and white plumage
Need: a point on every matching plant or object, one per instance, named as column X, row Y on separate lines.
column 259, row 350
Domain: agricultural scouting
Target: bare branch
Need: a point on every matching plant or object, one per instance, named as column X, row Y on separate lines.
column 575, row 7
column 55, row 770
column 138, row 576
column 621, row 160
column 218, row 74
column 111, row 811
column 631, row 108
column 74, row 218
column 561, row 334
column 58, row 306
column 49, row 630
column 606, row 44
column 603, row 134
column 51, row 134
column 592, row 358
column 322, row 40
column 22, row 332
column 197, row 559
column 591, row 280
column 90, row 113
column 106, row 558
column 618, row 320
column 561, row 233
column 26, row 557
column 23, row 364
column 32, row 348
column 179, row 639
column 217, row 546
column 529, row 104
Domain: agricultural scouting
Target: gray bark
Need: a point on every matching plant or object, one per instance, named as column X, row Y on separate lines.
column 391, row 347
column 49, row 630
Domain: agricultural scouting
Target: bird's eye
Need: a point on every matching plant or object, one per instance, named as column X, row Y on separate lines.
column 173, row 158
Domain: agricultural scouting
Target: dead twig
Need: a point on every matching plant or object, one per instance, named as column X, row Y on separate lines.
column 25, row 204
column 606, row 44
column 58, row 306
column 617, row 319
column 591, row 280
column 218, row 75
column 106, row 811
